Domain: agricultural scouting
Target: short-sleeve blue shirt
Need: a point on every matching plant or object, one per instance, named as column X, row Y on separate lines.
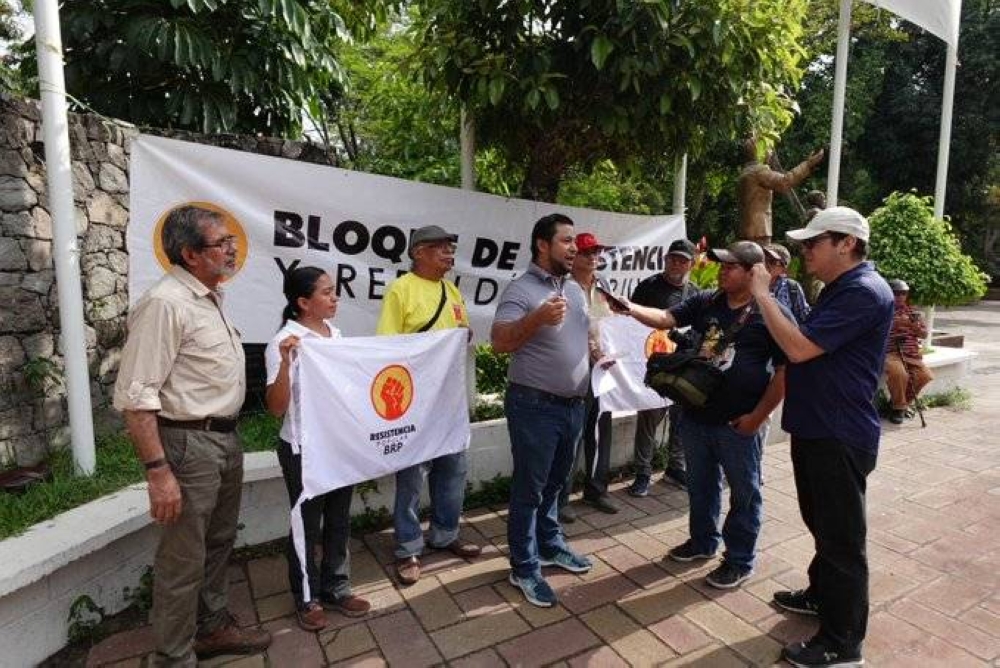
column 833, row 394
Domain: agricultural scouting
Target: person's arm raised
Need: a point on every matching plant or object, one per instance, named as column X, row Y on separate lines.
column 508, row 337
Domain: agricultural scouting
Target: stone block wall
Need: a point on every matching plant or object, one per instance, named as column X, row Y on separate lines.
column 32, row 397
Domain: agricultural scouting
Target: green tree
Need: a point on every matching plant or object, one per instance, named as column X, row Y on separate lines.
column 561, row 84
column 11, row 76
column 907, row 242
column 210, row 65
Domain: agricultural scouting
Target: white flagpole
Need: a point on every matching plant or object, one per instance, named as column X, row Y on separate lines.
column 680, row 185
column 65, row 248
column 839, row 92
column 944, row 140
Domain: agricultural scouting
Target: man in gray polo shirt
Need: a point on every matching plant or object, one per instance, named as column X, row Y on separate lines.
column 542, row 319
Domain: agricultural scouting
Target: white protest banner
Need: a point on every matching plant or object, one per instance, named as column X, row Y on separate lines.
column 628, row 344
column 370, row 406
column 356, row 226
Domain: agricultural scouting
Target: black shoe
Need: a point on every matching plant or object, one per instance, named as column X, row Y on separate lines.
column 567, row 514
column 797, row 601
column 816, row 654
column 640, row 487
column 676, row 476
column 897, row 415
column 728, row 576
column 688, row 552
column 602, row 503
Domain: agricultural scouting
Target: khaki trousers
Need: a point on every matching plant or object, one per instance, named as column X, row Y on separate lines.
column 190, row 572
column 897, row 380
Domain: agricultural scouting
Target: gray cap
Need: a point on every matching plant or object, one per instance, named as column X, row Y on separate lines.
column 778, row 253
column 899, row 286
column 429, row 234
column 741, row 252
column 682, row 247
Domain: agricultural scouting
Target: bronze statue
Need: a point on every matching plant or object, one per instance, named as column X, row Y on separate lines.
column 756, row 186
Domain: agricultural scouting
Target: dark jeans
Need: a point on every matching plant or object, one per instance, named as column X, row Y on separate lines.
column 596, row 453
column 543, row 430
column 327, row 522
column 831, row 478
column 712, row 451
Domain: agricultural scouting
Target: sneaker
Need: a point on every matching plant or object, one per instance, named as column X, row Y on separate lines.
column 816, row 654
column 676, row 476
column 311, row 617
column 688, row 552
column 897, row 415
column 231, row 639
column 567, row 514
column 535, row 589
column 349, row 606
column 568, row 561
column 602, row 503
column 640, row 487
column 797, row 601
column 728, row 576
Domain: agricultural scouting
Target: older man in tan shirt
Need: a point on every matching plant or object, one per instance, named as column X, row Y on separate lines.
column 180, row 386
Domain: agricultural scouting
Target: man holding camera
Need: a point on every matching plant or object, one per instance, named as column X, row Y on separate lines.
column 724, row 432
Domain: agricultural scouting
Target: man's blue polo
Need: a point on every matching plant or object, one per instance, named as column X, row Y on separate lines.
column 833, row 395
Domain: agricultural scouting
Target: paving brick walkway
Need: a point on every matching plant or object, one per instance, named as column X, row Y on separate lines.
column 934, row 543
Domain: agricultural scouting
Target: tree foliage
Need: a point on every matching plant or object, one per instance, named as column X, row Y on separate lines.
column 561, row 84
column 249, row 66
column 907, row 242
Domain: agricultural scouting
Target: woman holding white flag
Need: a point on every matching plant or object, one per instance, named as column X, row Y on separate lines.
column 312, row 303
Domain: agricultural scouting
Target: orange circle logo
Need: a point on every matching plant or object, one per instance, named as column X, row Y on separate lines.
column 232, row 225
column 659, row 342
column 392, row 392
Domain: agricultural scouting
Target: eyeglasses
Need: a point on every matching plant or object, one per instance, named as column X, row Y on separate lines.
column 228, row 241
column 809, row 243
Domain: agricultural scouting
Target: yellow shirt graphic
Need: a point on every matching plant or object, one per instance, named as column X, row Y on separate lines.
column 411, row 302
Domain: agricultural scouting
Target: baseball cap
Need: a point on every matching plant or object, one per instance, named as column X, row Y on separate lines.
column 778, row 253
column 742, row 252
column 586, row 241
column 428, row 234
column 835, row 219
column 682, row 247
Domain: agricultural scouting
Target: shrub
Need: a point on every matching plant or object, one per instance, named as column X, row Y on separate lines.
column 909, row 243
column 491, row 370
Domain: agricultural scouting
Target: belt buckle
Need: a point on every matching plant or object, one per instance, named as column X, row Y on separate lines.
column 207, row 424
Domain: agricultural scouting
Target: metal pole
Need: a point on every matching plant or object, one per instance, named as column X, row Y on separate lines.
column 65, row 250
column 680, row 184
column 468, row 142
column 839, row 91
column 944, row 140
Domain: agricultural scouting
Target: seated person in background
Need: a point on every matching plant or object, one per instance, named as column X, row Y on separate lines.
column 786, row 290
column 905, row 372
column 326, row 519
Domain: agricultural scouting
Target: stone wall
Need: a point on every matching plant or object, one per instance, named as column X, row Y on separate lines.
column 32, row 397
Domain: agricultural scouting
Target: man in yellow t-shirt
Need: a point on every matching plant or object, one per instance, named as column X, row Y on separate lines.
column 421, row 301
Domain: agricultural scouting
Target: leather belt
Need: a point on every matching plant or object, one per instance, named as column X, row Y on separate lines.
column 219, row 424
column 542, row 395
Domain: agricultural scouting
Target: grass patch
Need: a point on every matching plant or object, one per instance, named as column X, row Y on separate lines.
column 957, row 398
column 117, row 467
column 259, row 432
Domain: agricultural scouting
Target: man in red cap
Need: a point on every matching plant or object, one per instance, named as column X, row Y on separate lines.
column 596, row 447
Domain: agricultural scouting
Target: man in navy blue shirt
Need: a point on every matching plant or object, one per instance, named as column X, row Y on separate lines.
column 835, row 360
column 724, row 434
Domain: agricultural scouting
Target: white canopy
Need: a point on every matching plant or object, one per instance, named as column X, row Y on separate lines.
column 939, row 17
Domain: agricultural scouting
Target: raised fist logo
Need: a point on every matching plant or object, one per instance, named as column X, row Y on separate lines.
column 392, row 392
column 659, row 342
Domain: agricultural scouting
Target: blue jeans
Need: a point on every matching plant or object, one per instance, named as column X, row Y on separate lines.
column 446, row 484
column 711, row 451
column 543, row 433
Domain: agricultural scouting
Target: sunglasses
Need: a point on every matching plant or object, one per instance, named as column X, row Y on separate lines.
column 809, row 243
